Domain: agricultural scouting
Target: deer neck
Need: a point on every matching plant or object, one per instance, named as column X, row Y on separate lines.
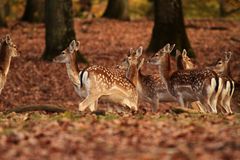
column 180, row 65
column 5, row 59
column 73, row 70
column 165, row 69
column 132, row 74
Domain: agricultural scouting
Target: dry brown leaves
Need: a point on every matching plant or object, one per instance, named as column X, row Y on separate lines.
column 76, row 136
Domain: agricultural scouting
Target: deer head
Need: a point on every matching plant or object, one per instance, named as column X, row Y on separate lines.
column 133, row 56
column 8, row 47
column 69, row 53
column 161, row 57
column 222, row 64
column 187, row 62
column 134, row 64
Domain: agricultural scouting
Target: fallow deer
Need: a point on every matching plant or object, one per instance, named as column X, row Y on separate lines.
column 150, row 87
column 221, row 67
column 7, row 51
column 95, row 81
column 188, row 85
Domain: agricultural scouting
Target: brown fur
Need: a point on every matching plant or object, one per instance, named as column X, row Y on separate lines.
column 191, row 85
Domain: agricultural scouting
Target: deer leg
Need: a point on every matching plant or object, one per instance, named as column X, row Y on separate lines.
column 155, row 103
column 204, row 103
column 223, row 97
column 93, row 106
column 227, row 100
column 215, row 96
column 200, row 106
column 89, row 100
column 189, row 105
column 131, row 102
column 180, row 100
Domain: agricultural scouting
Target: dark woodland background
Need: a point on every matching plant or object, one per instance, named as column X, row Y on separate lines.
column 107, row 29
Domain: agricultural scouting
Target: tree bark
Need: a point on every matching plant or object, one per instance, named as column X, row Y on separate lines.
column 117, row 9
column 59, row 27
column 3, row 14
column 34, row 11
column 169, row 26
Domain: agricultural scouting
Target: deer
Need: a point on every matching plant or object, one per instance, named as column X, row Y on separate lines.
column 94, row 82
column 7, row 51
column 221, row 67
column 150, row 87
column 188, row 85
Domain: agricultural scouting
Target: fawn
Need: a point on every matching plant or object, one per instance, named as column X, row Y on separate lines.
column 188, row 85
column 150, row 87
column 221, row 67
column 95, row 81
column 7, row 51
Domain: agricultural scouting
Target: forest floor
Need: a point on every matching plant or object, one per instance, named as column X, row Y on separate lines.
column 72, row 135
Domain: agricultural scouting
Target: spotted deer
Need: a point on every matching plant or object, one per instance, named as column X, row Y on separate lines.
column 7, row 51
column 188, row 85
column 150, row 87
column 95, row 81
column 221, row 67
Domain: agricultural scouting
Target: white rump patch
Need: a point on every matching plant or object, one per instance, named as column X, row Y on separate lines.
column 213, row 86
column 220, row 86
column 233, row 88
column 228, row 87
column 84, row 77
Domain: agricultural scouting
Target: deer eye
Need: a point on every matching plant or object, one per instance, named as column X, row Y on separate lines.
column 219, row 63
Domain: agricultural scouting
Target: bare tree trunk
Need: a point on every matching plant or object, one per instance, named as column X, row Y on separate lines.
column 59, row 27
column 3, row 14
column 34, row 11
column 169, row 26
column 221, row 8
column 117, row 9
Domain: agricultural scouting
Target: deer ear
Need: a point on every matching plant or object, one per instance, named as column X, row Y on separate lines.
column 77, row 45
column 166, row 47
column 227, row 56
column 141, row 64
column 131, row 51
column 184, row 53
column 139, row 51
column 72, row 46
column 171, row 47
column 8, row 38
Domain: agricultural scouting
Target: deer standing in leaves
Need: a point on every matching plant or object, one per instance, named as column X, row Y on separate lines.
column 221, row 67
column 188, row 85
column 150, row 87
column 95, row 82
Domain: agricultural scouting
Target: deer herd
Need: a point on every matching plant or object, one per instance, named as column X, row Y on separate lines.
column 210, row 87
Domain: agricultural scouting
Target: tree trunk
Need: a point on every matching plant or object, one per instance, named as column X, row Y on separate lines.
column 117, row 9
column 169, row 26
column 59, row 27
column 34, row 11
column 3, row 14
column 221, row 8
